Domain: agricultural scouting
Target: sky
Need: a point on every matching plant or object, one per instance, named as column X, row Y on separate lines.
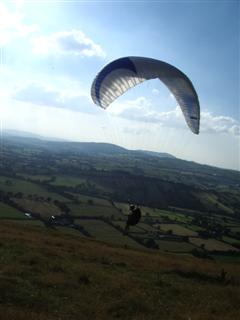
column 51, row 51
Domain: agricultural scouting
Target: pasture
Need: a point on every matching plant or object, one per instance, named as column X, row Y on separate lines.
column 174, row 246
column 93, row 200
column 68, row 181
column 93, row 210
column 44, row 208
column 231, row 240
column 15, row 186
column 177, row 229
column 35, row 177
column 212, row 201
column 212, row 244
column 9, row 212
column 103, row 232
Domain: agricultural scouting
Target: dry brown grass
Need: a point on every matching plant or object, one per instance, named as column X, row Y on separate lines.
column 46, row 274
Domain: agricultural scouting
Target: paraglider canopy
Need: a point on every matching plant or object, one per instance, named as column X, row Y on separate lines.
column 122, row 74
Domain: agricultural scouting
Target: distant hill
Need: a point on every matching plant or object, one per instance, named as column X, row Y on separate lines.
column 156, row 154
column 27, row 134
column 81, row 147
column 149, row 162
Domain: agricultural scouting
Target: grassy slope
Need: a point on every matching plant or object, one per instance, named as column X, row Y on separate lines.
column 27, row 188
column 42, row 207
column 106, row 233
column 47, row 274
column 10, row 212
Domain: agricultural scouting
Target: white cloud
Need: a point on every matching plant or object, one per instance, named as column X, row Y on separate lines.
column 141, row 109
column 136, row 130
column 47, row 95
column 219, row 124
column 12, row 25
column 131, row 109
column 73, row 42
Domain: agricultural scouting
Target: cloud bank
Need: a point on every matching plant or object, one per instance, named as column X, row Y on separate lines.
column 219, row 124
column 141, row 109
column 43, row 95
column 73, row 42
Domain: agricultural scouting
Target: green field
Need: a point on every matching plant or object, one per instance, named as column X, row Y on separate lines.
column 68, row 181
column 174, row 246
column 44, row 208
column 146, row 227
column 124, row 207
column 36, row 177
column 106, row 233
column 156, row 214
column 152, row 212
column 26, row 188
column 94, row 200
column 72, row 181
column 10, row 212
column 195, row 228
column 173, row 216
column 235, row 229
column 177, row 229
column 212, row 201
column 231, row 240
column 212, row 244
column 92, row 210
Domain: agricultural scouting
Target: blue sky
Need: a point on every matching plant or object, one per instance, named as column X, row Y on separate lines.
column 52, row 50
